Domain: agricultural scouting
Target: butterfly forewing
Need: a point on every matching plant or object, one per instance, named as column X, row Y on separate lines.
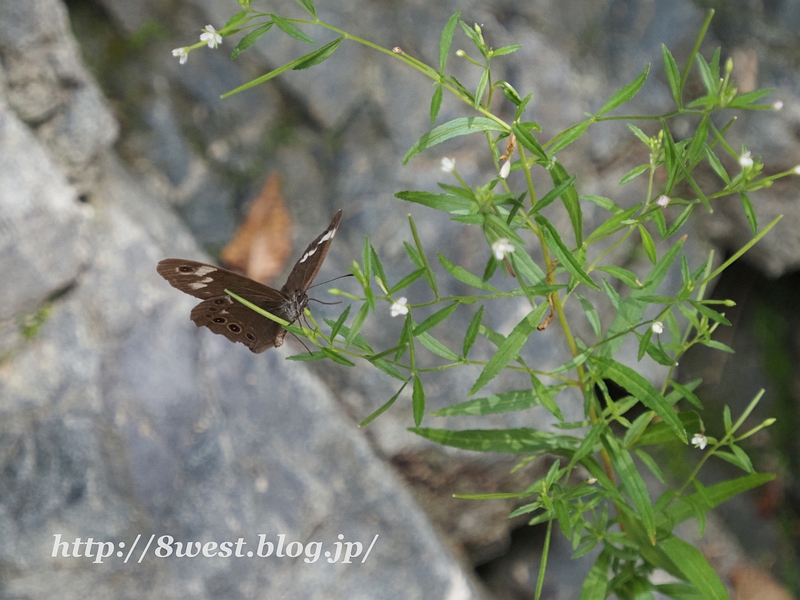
column 225, row 316
column 309, row 263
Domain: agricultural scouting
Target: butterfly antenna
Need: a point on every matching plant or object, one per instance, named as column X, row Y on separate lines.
column 321, row 302
column 329, row 280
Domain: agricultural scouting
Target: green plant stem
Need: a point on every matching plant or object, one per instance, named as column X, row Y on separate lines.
column 543, row 562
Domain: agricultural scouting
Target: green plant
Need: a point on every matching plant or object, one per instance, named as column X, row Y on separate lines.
column 594, row 491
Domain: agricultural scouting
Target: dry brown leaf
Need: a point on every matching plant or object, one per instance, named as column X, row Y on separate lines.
column 263, row 242
column 752, row 583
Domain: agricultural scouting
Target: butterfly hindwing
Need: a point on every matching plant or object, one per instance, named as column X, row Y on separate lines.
column 225, row 316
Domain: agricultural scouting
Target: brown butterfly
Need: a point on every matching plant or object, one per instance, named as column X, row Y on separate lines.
column 224, row 315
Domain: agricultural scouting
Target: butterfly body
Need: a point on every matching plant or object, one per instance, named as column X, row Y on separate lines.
column 225, row 316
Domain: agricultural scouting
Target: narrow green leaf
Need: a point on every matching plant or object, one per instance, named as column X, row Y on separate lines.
column 715, row 163
column 240, row 16
column 602, row 202
column 436, row 103
column 546, row 398
column 648, row 244
column 744, row 460
column 286, row 26
column 387, row 367
column 490, row 405
column 687, row 393
column 625, row 94
column 509, row 92
column 437, row 347
column 377, row 267
column 681, row 510
column 570, row 199
column 613, row 224
column 639, row 134
column 358, row 321
column 709, row 312
column 303, row 62
column 510, row 346
column 707, row 76
column 337, row 357
column 551, row 196
column 673, row 75
column 627, row 277
column 418, row 401
column 682, row 218
column 446, row 40
column 718, row 346
column 308, row 5
column 694, row 566
column 428, row 275
column 506, row 50
column 574, row 362
column 358, row 341
column 406, row 281
column 472, row 331
column 318, row 56
column 470, row 33
column 749, row 212
column 698, row 143
column 595, row 585
column 633, row 173
column 633, row 482
column 566, row 137
column 590, row 440
column 451, row 129
column 366, row 260
column 339, row 322
column 521, row 107
column 563, row 254
column 465, row 276
column 481, row 90
column 435, row 319
column 591, row 314
column 745, row 100
column 515, row 441
column 526, row 138
column 251, row 38
column 383, row 408
column 652, row 465
column 524, row 265
column 414, row 256
column 642, row 390
column 616, row 300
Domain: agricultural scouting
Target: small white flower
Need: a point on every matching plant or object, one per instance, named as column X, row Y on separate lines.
column 505, row 169
column 502, row 247
column 448, row 164
column 182, row 52
column 662, row 200
column 460, row 53
column 399, row 307
column 211, row 36
column 796, row 170
column 657, row 327
column 591, row 480
column 699, row 441
column 778, row 105
column 745, row 160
